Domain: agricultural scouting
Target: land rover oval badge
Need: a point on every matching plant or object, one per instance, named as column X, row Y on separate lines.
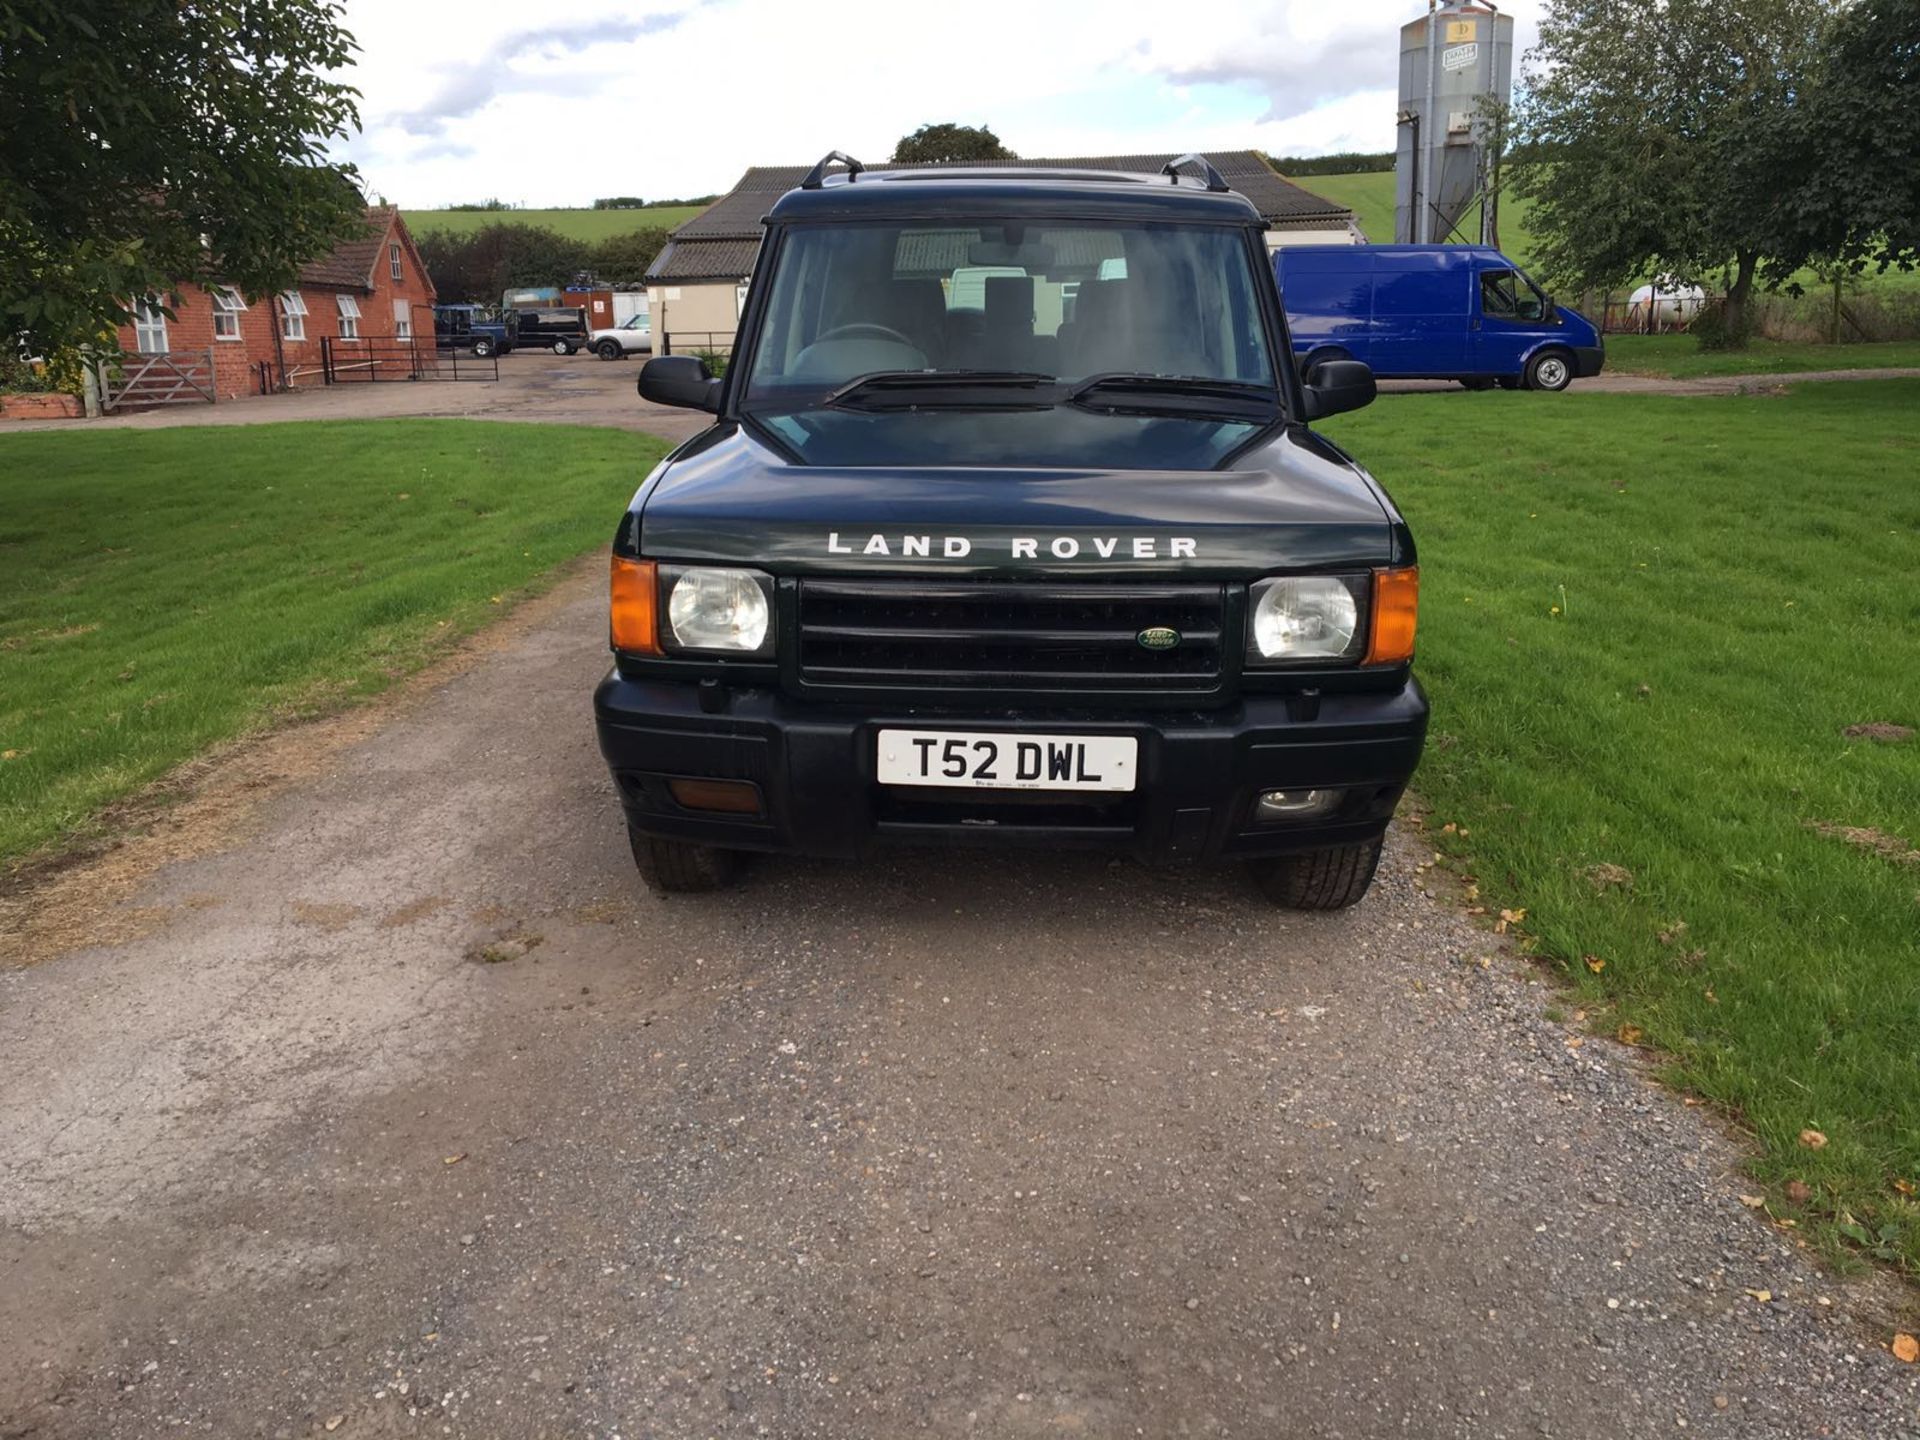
column 1158, row 637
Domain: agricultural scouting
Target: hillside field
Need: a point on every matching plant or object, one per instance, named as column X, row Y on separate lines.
column 1370, row 197
column 587, row 225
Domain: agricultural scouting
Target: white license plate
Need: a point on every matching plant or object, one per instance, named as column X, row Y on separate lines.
column 976, row 761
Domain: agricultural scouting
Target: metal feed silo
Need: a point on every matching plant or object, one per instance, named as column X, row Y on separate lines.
column 1451, row 60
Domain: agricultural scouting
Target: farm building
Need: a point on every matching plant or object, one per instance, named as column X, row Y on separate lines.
column 697, row 285
column 217, row 344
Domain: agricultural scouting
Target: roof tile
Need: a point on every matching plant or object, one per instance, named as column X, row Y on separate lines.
column 350, row 265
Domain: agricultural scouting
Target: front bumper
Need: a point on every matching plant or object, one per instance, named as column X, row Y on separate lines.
column 1200, row 772
column 1588, row 359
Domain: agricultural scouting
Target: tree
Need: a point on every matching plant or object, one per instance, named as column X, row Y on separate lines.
column 1658, row 136
column 623, row 259
column 146, row 145
column 478, row 267
column 1850, row 190
column 1345, row 162
column 932, row 144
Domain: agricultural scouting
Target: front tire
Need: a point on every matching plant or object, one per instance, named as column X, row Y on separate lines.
column 677, row 867
column 1550, row 370
column 1330, row 879
column 563, row 347
column 1315, row 358
column 608, row 350
column 483, row 349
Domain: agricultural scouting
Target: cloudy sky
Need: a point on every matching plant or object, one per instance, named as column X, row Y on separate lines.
column 566, row 100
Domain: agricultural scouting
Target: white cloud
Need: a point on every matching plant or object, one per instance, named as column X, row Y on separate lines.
column 677, row 97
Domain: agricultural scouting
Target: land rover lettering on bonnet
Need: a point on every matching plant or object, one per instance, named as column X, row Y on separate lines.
column 1010, row 529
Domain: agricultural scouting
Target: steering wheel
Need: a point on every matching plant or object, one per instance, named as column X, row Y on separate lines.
column 861, row 329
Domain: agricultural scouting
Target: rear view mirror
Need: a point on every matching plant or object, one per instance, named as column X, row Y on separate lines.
column 1336, row 386
column 1033, row 256
column 682, row 380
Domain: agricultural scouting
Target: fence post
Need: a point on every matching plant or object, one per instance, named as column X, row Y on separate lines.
column 213, row 379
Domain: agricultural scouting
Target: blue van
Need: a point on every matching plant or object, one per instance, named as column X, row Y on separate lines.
column 1432, row 312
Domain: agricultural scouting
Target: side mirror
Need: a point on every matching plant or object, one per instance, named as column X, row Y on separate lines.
column 1336, row 386
column 682, row 380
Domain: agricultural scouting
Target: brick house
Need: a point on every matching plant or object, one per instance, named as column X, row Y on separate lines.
column 373, row 287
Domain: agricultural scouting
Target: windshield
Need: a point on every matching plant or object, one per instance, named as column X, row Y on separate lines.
column 931, row 309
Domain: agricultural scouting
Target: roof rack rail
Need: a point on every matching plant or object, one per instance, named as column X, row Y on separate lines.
column 1173, row 168
column 817, row 176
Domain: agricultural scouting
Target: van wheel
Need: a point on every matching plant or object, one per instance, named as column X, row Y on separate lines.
column 483, row 349
column 563, row 347
column 1550, row 370
column 1329, row 879
column 676, row 867
column 608, row 350
column 1321, row 357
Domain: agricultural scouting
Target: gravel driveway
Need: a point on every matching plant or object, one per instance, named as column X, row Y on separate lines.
column 585, row 390
column 396, row 1107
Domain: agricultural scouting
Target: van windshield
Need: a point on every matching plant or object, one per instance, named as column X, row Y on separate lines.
column 1141, row 327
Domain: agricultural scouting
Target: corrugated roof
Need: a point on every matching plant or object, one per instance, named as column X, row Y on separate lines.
column 705, row 259
column 733, row 221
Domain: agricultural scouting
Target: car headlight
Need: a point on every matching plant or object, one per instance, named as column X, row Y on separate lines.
column 711, row 609
column 1305, row 617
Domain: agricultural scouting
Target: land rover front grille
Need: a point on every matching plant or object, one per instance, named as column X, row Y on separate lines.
column 1007, row 635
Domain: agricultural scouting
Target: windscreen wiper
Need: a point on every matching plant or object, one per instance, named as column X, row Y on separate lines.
column 946, row 389
column 1120, row 392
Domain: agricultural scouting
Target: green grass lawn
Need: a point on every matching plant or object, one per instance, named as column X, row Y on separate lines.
column 1680, row 357
column 587, row 225
column 1647, row 622
column 166, row 590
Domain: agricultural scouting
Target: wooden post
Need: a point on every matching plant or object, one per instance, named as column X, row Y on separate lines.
column 90, row 387
column 1836, row 308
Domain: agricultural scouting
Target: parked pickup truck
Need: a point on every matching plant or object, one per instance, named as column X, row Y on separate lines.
column 474, row 328
column 559, row 328
column 1013, row 572
column 619, row 341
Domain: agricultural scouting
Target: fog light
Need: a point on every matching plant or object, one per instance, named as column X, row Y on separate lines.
column 1275, row 805
column 730, row 797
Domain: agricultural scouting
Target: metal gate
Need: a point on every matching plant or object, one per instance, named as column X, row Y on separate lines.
column 167, row 377
column 372, row 360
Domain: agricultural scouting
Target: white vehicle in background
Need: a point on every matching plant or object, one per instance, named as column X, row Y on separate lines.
column 616, row 342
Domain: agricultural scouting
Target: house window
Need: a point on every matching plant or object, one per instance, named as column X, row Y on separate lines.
column 227, row 306
column 393, row 262
column 293, row 315
column 403, row 319
column 149, row 327
column 349, row 316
